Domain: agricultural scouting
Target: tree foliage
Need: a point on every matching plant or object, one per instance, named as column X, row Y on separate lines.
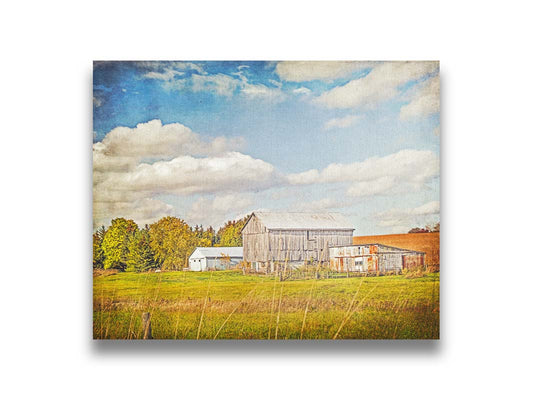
column 98, row 253
column 172, row 241
column 230, row 234
column 140, row 256
column 427, row 229
column 115, row 243
column 165, row 244
column 205, row 238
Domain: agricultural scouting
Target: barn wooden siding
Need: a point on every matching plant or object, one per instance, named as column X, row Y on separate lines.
column 428, row 243
column 373, row 258
column 265, row 246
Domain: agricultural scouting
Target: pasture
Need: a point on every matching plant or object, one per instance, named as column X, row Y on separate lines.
column 229, row 305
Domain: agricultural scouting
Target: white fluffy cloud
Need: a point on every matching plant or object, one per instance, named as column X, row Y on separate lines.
column 142, row 211
column 277, row 84
column 134, row 167
column 220, row 84
column 162, row 66
column 186, row 175
column 400, row 172
column 131, row 166
column 343, row 122
column 380, row 84
column 166, row 75
column 425, row 101
column 327, row 203
column 173, row 77
column 219, row 209
column 123, row 147
column 401, row 220
column 302, row 90
column 301, row 71
column 258, row 91
column 379, row 186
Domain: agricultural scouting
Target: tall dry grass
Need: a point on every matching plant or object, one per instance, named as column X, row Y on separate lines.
column 205, row 304
column 229, row 305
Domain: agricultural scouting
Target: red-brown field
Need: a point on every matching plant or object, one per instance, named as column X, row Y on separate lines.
column 429, row 243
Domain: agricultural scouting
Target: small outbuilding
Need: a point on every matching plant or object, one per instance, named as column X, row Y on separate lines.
column 272, row 238
column 214, row 258
column 373, row 257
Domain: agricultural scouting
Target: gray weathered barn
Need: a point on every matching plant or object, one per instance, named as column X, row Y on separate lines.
column 270, row 238
column 373, row 257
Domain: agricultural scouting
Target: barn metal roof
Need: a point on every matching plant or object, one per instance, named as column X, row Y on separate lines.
column 217, row 252
column 303, row 220
column 399, row 249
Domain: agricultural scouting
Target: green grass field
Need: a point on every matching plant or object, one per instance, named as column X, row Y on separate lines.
column 228, row 305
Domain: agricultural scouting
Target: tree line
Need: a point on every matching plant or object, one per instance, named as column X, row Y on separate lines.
column 427, row 229
column 165, row 244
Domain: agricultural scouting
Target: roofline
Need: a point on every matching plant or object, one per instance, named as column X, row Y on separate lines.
column 311, row 229
column 395, row 234
column 217, row 257
column 380, row 244
column 218, row 247
column 295, row 229
column 246, row 223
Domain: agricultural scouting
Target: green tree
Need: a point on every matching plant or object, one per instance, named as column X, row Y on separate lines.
column 230, row 234
column 98, row 253
column 427, row 229
column 204, row 238
column 115, row 243
column 140, row 256
column 418, row 230
column 172, row 241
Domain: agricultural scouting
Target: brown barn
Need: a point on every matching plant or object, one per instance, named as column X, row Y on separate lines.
column 428, row 243
column 271, row 238
column 373, row 258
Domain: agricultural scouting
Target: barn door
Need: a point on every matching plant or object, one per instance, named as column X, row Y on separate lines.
column 312, row 244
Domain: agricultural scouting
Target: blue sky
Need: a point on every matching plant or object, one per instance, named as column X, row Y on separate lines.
column 211, row 141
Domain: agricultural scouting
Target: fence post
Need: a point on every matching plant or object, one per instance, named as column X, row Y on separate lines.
column 147, row 325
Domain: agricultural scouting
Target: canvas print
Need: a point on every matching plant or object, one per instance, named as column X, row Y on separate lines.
column 266, row 200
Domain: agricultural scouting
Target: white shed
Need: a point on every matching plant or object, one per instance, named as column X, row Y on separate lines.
column 208, row 258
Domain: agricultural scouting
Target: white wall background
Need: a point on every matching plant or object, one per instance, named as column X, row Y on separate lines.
column 45, row 86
